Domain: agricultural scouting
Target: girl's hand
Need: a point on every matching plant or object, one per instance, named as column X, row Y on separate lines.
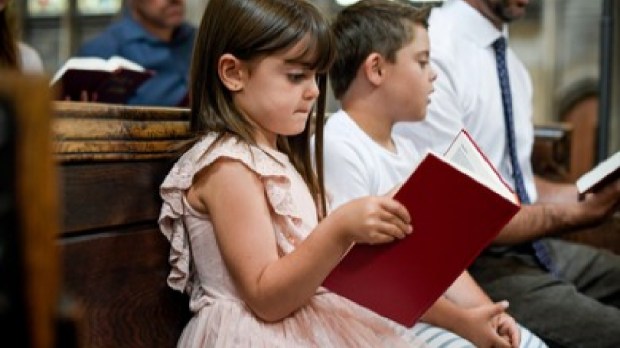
column 372, row 220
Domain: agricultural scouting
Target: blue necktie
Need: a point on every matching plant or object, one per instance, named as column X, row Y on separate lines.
column 540, row 249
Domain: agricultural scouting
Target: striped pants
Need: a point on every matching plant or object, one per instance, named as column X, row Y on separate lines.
column 437, row 337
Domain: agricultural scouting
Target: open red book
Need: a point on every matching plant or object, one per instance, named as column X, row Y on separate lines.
column 458, row 203
column 111, row 80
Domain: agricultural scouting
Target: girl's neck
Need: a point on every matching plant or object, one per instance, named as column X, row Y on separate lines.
column 265, row 139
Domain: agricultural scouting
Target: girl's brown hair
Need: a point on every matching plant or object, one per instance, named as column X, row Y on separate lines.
column 248, row 29
column 8, row 43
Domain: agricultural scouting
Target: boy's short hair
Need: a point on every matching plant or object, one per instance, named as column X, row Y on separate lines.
column 381, row 26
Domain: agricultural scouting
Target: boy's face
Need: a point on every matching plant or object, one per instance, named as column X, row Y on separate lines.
column 409, row 82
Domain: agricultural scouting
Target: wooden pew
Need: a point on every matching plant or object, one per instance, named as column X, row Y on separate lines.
column 29, row 263
column 111, row 160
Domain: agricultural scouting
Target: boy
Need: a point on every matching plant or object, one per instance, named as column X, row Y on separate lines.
column 382, row 76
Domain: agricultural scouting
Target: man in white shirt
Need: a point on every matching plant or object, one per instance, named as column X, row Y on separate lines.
column 565, row 285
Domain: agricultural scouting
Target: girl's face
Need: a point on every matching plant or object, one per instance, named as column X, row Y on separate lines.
column 409, row 80
column 277, row 94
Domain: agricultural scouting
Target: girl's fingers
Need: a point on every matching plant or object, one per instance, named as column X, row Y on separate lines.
column 396, row 208
column 396, row 221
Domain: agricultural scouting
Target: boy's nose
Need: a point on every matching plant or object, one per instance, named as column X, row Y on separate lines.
column 433, row 75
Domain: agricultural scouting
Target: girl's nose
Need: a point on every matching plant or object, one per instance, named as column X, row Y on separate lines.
column 312, row 91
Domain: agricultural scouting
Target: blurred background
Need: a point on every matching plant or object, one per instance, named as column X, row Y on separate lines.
column 560, row 41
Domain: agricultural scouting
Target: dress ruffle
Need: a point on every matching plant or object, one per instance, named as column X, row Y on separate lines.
column 266, row 164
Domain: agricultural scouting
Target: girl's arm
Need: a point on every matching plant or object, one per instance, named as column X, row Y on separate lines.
column 274, row 286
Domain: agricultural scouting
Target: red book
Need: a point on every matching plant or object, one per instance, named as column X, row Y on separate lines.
column 111, row 80
column 456, row 211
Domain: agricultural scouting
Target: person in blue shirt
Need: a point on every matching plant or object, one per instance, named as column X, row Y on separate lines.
column 154, row 34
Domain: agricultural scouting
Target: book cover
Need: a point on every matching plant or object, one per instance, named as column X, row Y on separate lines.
column 455, row 217
column 602, row 174
column 106, row 81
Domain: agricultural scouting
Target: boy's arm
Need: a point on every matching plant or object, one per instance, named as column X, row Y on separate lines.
column 465, row 292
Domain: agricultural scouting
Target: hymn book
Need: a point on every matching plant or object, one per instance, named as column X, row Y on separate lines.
column 111, row 80
column 602, row 174
column 458, row 204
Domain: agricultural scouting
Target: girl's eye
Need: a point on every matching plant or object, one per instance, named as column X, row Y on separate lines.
column 296, row 77
column 423, row 63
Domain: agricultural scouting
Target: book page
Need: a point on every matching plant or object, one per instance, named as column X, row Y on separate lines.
column 119, row 62
column 80, row 63
column 598, row 173
column 466, row 155
column 96, row 63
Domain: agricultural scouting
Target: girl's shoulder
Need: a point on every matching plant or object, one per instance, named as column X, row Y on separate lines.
column 210, row 148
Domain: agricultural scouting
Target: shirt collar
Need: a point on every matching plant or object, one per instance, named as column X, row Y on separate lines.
column 477, row 27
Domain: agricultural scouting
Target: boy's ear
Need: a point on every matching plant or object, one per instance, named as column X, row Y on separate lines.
column 373, row 67
column 230, row 70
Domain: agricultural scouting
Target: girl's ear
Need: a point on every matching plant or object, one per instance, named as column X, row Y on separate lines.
column 230, row 70
column 373, row 68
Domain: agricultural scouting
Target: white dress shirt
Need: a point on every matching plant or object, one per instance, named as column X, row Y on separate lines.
column 467, row 93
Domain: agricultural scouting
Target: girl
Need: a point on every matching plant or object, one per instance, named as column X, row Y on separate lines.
column 241, row 206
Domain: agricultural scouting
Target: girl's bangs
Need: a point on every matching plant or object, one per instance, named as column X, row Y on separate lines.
column 319, row 47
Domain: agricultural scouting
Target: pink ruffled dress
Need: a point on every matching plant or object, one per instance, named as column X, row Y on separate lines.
column 221, row 318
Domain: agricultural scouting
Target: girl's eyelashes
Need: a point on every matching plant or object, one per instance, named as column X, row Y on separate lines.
column 297, row 77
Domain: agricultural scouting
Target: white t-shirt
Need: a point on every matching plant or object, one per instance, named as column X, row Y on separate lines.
column 467, row 93
column 356, row 166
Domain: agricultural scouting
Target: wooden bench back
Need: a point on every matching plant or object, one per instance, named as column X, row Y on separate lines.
column 112, row 160
column 29, row 264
